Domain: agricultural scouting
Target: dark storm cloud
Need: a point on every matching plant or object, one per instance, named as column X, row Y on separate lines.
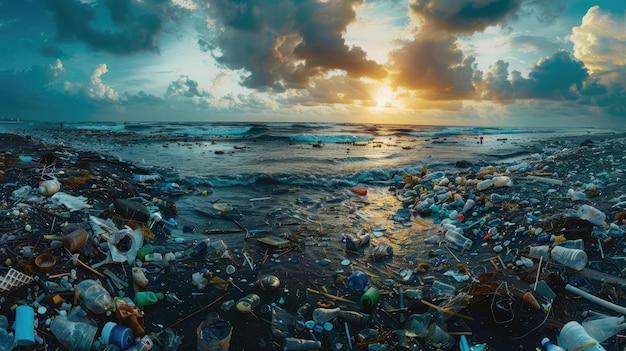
column 283, row 44
column 465, row 16
column 556, row 77
column 436, row 66
column 51, row 51
column 74, row 19
column 119, row 9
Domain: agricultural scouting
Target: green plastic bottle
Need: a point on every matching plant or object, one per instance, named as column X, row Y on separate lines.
column 147, row 298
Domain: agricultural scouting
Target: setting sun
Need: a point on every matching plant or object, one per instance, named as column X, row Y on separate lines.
column 384, row 97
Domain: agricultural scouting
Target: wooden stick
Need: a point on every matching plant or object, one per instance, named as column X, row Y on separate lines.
column 198, row 311
column 446, row 310
column 329, row 295
column 452, row 253
column 538, row 272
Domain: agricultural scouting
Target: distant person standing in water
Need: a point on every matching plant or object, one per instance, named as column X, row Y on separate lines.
column 481, row 140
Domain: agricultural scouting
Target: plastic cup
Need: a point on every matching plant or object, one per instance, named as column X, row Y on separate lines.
column 214, row 335
column 25, row 325
column 75, row 240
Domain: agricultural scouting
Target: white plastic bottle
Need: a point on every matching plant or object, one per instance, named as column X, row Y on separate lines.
column 572, row 258
column 592, row 215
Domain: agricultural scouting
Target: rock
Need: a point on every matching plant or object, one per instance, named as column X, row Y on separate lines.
column 463, row 164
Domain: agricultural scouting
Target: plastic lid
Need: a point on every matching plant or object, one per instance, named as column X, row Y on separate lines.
column 545, row 341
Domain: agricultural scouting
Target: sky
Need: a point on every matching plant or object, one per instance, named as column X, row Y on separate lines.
column 427, row 62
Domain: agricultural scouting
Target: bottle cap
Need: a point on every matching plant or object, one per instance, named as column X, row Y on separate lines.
column 545, row 341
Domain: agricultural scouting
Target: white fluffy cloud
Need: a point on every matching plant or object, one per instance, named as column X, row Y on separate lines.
column 95, row 89
column 600, row 41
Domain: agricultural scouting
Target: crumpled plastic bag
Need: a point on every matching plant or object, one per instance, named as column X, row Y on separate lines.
column 136, row 241
column 72, row 203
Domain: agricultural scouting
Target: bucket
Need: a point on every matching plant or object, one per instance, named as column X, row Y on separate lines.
column 214, row 335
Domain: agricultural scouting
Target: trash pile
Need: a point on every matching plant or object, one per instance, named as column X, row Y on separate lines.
column 516, row 256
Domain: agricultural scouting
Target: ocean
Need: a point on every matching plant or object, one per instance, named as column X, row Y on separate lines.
column 298, row 181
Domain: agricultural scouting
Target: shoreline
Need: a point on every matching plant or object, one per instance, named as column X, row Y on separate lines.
column 336, row 218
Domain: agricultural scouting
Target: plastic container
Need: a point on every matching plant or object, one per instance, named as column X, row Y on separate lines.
column 321, row 315
column 549, row 346
column 93, row 296
column 357, row 281
column 592, row 215
column 214, row 335
column 49, row 187
column 293, row 344
column 248, row 303
column 573, row 337
column 75, row 336
column 75, row 240
column 118, row 335
column 369, row 299
column 572, row 258
column 603, row 327
column 24, row 325
column 439, row 338
column 485, row 184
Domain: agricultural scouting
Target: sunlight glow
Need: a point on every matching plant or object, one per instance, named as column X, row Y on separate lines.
column 383, row 98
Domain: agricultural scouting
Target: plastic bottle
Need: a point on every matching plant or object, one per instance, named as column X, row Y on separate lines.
column 76, row 239
column 540, row 251
column 247, row 303
column 74, row 335
column 603, row 327
column 572, row 258
column 49, row 187
column 469, row 204
column 456, row 238
column 549, row 346
column 573, row 336
column 592, row 215
column 321, row 315
column 293, row 344
column 93, row 296
column 485, row 184
column 147, row 298
column 502, row 181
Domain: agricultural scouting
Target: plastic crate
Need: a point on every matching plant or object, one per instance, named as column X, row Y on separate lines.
column 14, row 279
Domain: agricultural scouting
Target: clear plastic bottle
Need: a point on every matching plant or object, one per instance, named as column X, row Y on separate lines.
column 93, row 296
column 456, row 238
column 592, row 215
column 572, row 258
column 321, row 315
